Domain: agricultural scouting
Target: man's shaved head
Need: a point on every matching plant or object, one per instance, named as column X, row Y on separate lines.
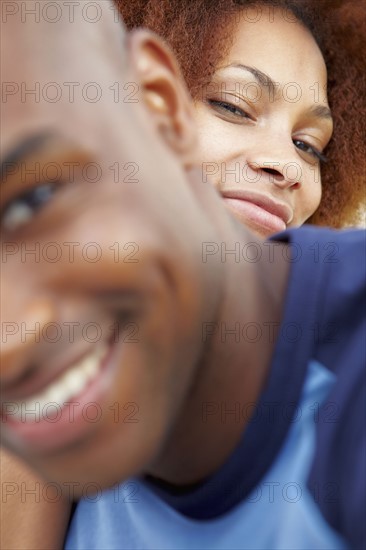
column 50, row 67
column 98, row 24
column 97, row 139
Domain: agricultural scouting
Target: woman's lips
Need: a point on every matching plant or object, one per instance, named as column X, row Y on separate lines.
column 67, row 409
column 255, row 216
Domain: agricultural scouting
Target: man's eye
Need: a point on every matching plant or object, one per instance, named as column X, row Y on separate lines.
column 310, row 150
column 227, row 108
column 21, row 210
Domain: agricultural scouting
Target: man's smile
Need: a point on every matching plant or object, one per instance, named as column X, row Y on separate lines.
column 68, row 407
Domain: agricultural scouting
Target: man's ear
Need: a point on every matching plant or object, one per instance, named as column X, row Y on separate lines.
column 164, row 92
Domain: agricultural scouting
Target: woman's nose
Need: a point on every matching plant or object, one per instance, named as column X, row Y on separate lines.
column 278, row 164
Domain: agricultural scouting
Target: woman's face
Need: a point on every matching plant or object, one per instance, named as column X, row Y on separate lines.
column 264, row 122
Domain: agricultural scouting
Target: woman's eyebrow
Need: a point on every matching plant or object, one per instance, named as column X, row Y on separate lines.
column 262, row 78
column 320, row 111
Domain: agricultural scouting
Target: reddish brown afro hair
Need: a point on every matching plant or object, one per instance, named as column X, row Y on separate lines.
column 199, row 32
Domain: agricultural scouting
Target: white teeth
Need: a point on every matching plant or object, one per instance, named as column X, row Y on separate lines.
column 90, row 368
column 69, row 385
column 74, row 382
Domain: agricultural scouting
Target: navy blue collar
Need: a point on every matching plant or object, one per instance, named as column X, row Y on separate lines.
column 273, row 414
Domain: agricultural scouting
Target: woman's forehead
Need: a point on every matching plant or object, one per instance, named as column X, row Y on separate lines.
column 278, row 45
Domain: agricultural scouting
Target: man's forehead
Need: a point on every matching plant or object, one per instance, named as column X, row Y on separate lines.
column 65, row 76
column 46, row 35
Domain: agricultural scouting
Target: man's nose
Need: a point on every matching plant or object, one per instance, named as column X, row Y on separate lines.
column 20, row 335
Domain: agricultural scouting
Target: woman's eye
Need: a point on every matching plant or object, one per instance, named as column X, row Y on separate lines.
column 228, row 108
column 310, row 150
column 21, row 210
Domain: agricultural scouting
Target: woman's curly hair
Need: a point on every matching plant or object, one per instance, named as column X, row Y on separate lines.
column 200, row 31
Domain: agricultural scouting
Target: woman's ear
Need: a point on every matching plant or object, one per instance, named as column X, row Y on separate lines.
column 164, row 93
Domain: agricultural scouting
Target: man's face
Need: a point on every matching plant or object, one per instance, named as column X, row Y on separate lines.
column 101, row 295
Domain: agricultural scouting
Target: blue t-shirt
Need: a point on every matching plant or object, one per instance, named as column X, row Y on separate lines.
column 297, row 478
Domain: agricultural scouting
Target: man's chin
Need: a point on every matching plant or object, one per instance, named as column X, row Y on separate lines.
column 90, row 467
column 82, row 481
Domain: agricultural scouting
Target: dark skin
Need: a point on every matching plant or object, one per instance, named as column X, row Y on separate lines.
column 245, row 118
column 170, row 293
column 30, row 522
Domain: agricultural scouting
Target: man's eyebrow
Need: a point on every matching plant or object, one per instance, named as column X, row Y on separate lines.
column 262, row 78
column 28, row 146
column 55, row 146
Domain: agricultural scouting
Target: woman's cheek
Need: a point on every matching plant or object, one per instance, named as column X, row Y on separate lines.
column 309, row 200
